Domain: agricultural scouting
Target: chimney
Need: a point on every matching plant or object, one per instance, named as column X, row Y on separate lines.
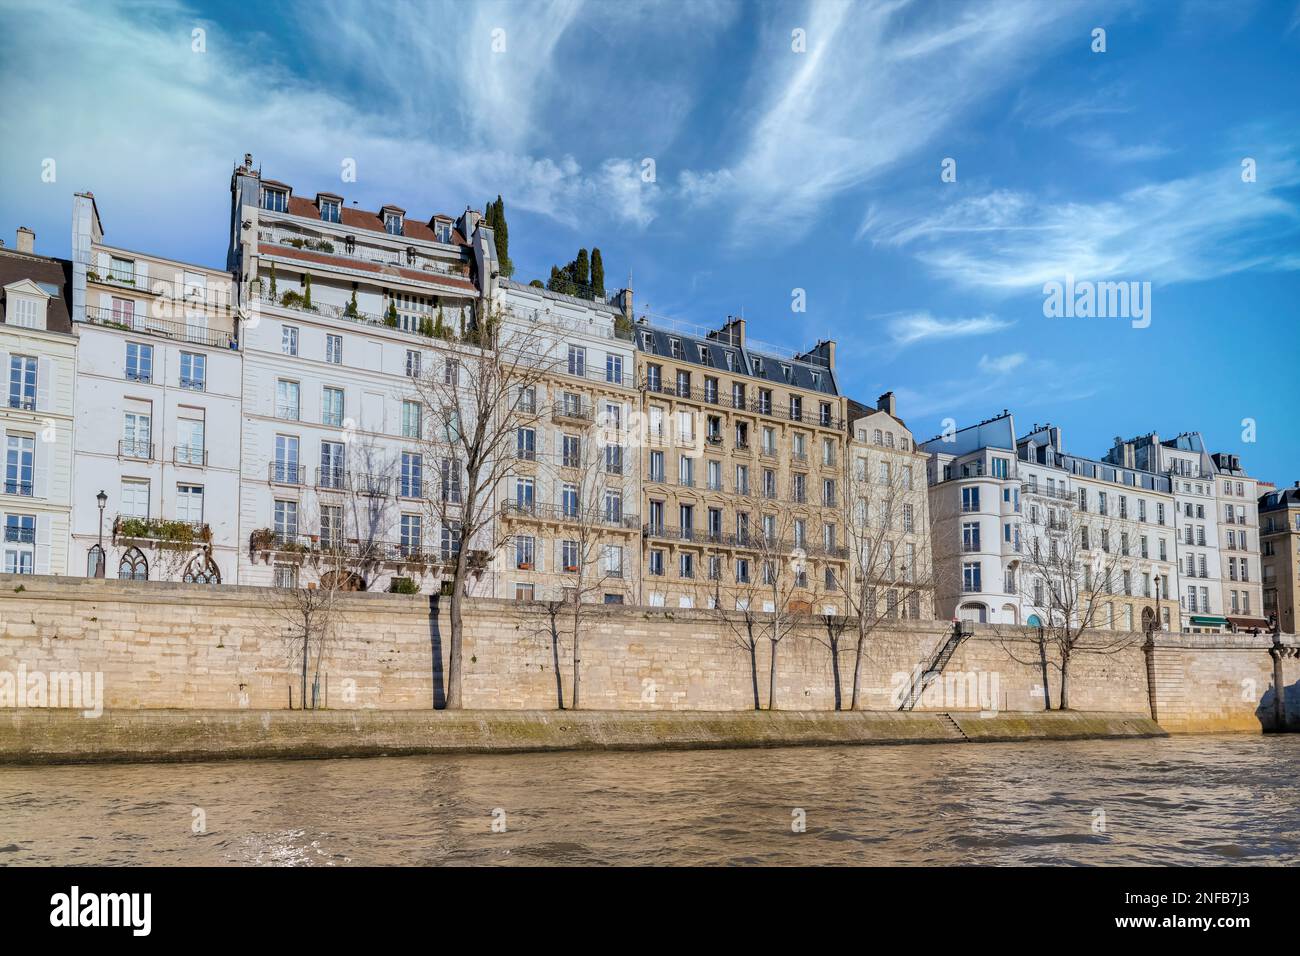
column 26, row 240
column 886, row 404
column 469, row 222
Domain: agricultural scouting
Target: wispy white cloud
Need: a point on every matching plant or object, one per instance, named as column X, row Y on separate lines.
column 1194, row 228
column 877, row 84
column 915, row 327
column 1001, row 364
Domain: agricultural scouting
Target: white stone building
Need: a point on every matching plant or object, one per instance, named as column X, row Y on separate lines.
column 342, row 309
column 157, row 413
column 38, row 359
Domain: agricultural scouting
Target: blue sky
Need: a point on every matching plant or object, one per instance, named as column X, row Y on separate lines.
column 774, row 170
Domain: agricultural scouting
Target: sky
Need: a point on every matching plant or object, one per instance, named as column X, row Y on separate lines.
column 905, row 177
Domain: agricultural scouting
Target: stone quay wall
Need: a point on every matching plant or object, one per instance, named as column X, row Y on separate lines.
column 166, row 646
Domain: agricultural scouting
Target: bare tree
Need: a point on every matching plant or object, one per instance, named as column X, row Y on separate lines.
column 890, row 573
column 741, row 626
column 831, row 637
column 1072, row 569
column 781, row 564
column 473, row 400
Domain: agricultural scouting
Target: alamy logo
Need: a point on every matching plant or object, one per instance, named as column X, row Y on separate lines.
column 73, row 690
column 103, row 909
column 1084, row 299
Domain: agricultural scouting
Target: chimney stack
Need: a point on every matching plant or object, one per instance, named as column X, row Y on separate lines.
column 26, row 240
column 886, row 404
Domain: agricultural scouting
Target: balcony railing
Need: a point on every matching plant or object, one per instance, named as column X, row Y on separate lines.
column 350, row 551
column 188, row 455
column 573, row 412
column 146, row 325
column 366, row 483
column 753, row 541
column 558, row 514
column 18, row 535
column 130, row 448
column 286, row 473
column 216, row 298
column 332, row 478
column 22, row 403
column 1055, row 494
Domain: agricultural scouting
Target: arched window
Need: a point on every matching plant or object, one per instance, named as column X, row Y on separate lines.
column 95, row 562
column 133, row 566
column 201, row 569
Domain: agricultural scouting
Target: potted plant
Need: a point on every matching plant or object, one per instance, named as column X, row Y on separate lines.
column 525, row 565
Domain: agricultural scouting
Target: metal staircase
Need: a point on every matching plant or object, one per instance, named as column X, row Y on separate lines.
column 937, row 664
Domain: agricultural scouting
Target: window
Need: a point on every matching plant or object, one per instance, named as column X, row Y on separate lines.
column 189, row 441
column 393, row 223
column 133, row 566
column 22, row 382
column 656, row 566
column 686, row 565
column 194, row 371
column 577, row 361
column 334, row 349
column 999, row 466
column 614, row 368
column 286, row 576
column 285, row 467
column 20, row 540
column 286, row 399
column 411, row 420
column 742, row 571
column 613, row 507
column 136, row 438
column 139, row 362
column 569, row 556
column 412, row 364
column 451, row 372
column 22, row 311
column 524, row 494
column 276, row 200
column 331, row 465
column 329, row 210
column 331, row 406
column 289, row 340
column 412, row 480
column 189, row 504
column 970, row 499
column 135, row 498
column 569, row 500
column 411, row 531
column 526, row 444
column 970, row 536
column 970, row 577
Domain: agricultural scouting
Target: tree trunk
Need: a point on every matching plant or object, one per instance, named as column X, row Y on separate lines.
column 857, row 668
column 835, row 672
column 753, row 671
column 555, row 656
column 577, row 657
column 1065, row 681
column 771, row 680
column 306, row 647
column 457, row 631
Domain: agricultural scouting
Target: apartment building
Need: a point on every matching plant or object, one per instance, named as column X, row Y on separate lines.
column 1239, row 544
column 1279, row 529
column 995, row 499
column 38, row 356
column 569, row 509
column 344, row 309
column 1206, row 582
column 887, row 512
column 742, row 464
column 155, row 466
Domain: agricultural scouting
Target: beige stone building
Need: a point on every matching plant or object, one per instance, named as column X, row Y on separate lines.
column 742, row 458
column 1279, row 531
column 887, row 519
column 1238, row 528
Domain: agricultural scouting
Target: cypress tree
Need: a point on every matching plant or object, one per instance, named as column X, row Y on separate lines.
column 597, row 275
column 554, row 284
column 501, row 233
column 581, row 275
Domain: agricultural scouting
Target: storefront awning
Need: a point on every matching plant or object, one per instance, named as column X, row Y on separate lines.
column 1243, row 623
column 1207, row 621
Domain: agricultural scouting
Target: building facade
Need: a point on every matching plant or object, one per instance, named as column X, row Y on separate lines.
column 157, row 413
column 742, row 464
column 1279, row 529
column 345, row 310
column 1239, row 544
column 1002, row 509
column 569, row 507
column 887, row 515
column 38, row 355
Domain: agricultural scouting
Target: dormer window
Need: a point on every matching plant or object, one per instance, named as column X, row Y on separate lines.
column 705, row 357
column 442, row 231
column 675, row 346
column 276, row 200
column 393, row 223
column 785, row 372
column 410, row 255
column 329, row 210
column 646, row 342
column 758, row 366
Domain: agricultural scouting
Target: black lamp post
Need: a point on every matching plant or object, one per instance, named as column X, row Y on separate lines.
column 99, row 568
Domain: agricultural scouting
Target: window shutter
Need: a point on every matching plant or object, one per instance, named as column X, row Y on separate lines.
column 141, row 275
column 4, row 370
column 44, row 384
column 40, row 471
column 42, row 544
column 104, row 264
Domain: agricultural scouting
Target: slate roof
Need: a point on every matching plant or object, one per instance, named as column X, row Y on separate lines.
column 45, row 270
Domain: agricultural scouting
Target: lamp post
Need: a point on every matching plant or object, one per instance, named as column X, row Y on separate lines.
column 103, row 500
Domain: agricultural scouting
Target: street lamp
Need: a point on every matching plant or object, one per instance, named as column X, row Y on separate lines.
column 99, row 567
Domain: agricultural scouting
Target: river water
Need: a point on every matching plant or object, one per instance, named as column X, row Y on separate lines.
column 1182, row 800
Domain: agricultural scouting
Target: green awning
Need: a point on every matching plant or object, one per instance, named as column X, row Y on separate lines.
column 1210, row 621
